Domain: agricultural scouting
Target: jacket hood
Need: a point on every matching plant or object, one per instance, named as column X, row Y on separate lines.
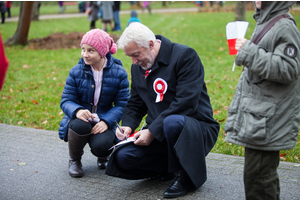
column 270, row 9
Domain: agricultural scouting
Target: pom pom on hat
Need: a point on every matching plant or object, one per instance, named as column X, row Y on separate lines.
column 100, row 40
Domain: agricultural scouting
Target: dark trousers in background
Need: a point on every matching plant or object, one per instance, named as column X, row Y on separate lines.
column 8, row 12
column 261, row 179
column 93, row 24
column 3, row 18
column 99, row 143
column 152, row 160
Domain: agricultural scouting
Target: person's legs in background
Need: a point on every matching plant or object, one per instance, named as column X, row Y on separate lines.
column 117, row 21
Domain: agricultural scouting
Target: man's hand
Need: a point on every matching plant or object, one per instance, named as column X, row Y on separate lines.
column 84, row 115
column 127, row 131
column 144, row 137
column 239, row 43
column 100, row 127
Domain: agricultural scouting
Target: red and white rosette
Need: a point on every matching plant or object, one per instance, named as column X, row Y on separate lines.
column 160, row 87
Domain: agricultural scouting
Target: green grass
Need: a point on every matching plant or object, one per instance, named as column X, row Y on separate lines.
column 35, row 79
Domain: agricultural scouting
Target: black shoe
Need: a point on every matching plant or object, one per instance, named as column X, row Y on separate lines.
column 181, row 186
column 102, row 162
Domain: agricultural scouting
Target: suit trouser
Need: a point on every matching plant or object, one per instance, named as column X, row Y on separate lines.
column 260, row 174
column 154, row 159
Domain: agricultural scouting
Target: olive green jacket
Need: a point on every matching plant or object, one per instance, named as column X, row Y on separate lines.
column 264, row 112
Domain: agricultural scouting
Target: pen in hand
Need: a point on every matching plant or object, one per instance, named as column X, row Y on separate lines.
column 120, row 129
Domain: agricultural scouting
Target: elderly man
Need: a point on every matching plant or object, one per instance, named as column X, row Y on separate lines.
column 168, row 86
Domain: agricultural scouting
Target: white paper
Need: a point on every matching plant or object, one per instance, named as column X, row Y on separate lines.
column 236, row 29
column 130, row 139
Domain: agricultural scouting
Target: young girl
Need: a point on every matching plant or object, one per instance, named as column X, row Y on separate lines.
column 93, row 99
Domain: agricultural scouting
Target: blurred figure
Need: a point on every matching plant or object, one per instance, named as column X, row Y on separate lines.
column 3, row 63
column 93, row 13
column 107, row 14
column 3, row 11
column 8, row 6
column 61, row 7
column 116, row 9
column 133, row 17
column 146, row 5
column 39, row 6
column 81, row 6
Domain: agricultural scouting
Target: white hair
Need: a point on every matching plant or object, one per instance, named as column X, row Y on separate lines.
column 138, row 33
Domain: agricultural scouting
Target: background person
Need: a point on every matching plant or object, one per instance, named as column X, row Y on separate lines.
column 3, row 11
column 98, row 84
column 8, row 6
column 264, row 113
column 107, row 14
column 168, row 86
column 133, row 17
column 93, row 10
column 116, row 9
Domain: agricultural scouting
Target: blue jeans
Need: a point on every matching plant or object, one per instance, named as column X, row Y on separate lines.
column 117, row 21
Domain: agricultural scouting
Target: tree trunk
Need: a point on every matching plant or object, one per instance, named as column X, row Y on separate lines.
column 35, row 11
column 21, row 34
column 240, row 11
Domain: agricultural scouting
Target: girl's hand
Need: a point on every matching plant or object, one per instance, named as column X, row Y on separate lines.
column 84, row 115
column 100, row 127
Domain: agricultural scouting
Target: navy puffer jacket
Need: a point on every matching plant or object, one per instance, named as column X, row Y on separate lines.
column 79, row 93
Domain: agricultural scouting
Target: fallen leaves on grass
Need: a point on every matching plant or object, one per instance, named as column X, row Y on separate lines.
column 34, row 101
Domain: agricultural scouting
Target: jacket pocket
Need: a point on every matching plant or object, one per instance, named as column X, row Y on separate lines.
column 256, row 121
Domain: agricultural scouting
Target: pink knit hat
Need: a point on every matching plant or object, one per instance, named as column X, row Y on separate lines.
column 100, row 40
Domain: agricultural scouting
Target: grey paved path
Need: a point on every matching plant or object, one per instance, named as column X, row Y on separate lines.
column 57, row 16
column 34, row 165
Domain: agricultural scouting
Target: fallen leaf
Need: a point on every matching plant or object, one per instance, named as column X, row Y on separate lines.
column 216, row 111
column 22, row 163
column 282, row 154
column 20, row 122
column 34, row 101
column 221, row 120
column 25, row 66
